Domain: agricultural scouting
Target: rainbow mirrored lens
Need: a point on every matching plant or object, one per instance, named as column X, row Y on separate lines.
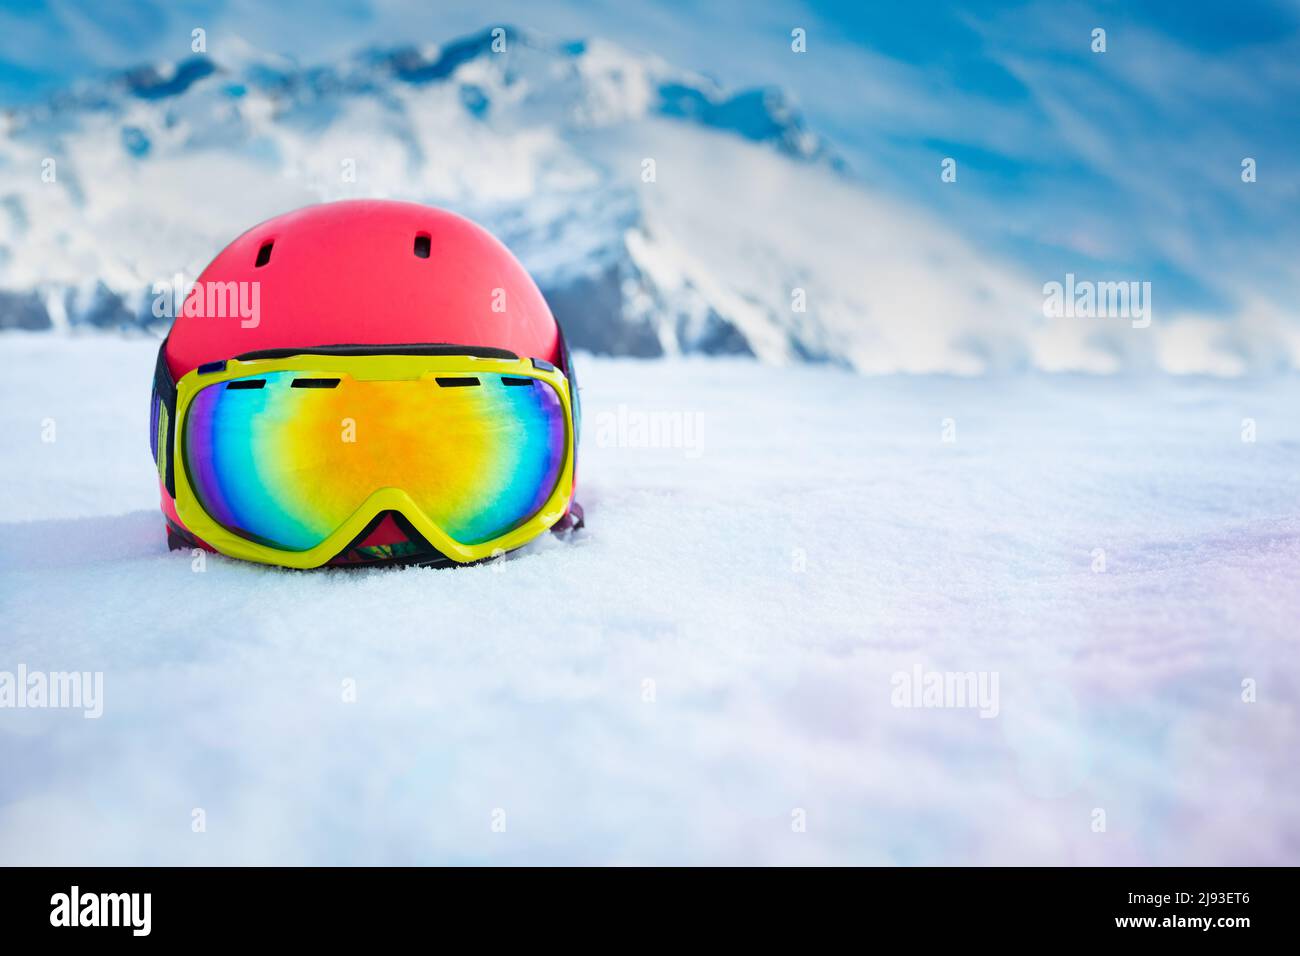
column 285, row 458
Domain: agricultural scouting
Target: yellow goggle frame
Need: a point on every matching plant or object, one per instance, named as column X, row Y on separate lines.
column 368, row 367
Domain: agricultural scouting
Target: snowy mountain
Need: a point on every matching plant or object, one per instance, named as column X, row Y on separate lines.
column 660, row 212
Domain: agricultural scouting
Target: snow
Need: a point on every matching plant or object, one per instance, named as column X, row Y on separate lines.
column 811, row 537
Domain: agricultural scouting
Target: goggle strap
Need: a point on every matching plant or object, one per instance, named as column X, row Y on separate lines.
column 573, row 519
column 165, row 392
column 427, row 348
column 566, row 366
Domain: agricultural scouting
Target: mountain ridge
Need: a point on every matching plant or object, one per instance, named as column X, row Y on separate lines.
column 558, row 87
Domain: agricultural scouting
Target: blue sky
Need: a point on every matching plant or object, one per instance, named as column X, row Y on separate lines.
column 1118, row 165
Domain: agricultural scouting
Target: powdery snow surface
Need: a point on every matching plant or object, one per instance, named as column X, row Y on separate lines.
column 812, row 537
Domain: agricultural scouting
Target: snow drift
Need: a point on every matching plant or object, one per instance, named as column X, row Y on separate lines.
column 716, row 651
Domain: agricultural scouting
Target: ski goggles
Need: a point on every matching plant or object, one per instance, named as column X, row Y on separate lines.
column 288, row 456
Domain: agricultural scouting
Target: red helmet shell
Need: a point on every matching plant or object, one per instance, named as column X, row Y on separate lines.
column 365, row 272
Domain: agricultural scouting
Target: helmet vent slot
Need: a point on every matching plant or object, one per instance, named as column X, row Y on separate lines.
column 516, row 381
column 422, row 245
column 240, row 383
column 450, row 382
column 264, row 254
